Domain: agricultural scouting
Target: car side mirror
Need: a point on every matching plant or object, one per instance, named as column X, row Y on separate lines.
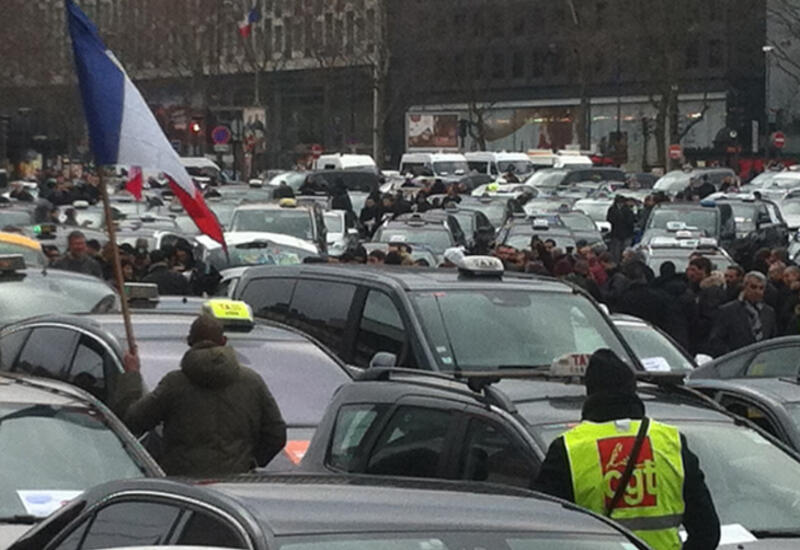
column 383, row 359
column 702, row 359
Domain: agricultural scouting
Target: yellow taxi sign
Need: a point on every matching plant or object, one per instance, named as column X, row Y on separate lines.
column 231, row 313
column 287, row 203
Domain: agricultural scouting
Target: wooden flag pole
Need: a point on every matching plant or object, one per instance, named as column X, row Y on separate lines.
column 116, row 263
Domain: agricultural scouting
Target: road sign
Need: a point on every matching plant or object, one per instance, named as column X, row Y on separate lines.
column 675, row 151
column 222, row 148
column 316, row 150
column 221, row 135
column 778, row 140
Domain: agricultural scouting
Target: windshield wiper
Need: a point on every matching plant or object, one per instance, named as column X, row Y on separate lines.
column 21, row 519
column 775, row 533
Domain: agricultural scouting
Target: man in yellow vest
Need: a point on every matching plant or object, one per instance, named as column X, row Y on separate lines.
column 588, row 464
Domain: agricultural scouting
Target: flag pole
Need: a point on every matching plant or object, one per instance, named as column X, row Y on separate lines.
column 116, row 263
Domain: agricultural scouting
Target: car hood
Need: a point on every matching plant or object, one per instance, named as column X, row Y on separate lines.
column 10, row 533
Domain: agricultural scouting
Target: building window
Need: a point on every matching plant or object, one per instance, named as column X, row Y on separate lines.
column 518, row 65
column 715, row 54
column 278, row 39
column 498, row 66
column 287, row 51
column 351, row 33
column 328, row 31
column 692, row 55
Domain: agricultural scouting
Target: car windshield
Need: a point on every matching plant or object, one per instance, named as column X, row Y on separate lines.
column 520, row 166
column 466, row 221
column 15, row 218
column 743, row 214
column 451, row 167
column 703, row 219
column 292, row 179
column 496, row 212
column 653, row 349
column 256, row 253
column 597, row 211
column 578, row 222
column 740, row 468
column 521, row 239
column 672, row 180
column 437, row 240
column 791, row 208
column 762, row 179
column 19, row 299
column 296, row 223
column 528, row 328
column 784, row 182
column 286, row 366
column 334, row 222
column 33, row 257
column 547, row 178
column 223, row 212
column 73, row 450
column 459, row 540
column 186, row 225
column 681, row 261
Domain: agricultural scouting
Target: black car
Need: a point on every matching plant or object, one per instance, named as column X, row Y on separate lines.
column 435, row 229
column 426, row 425
column 768, row 358
column 320, row 513
column 759, row 224
column 689, row 220
column 86, row 350
column 447, row 319
column 771, row 403
column 518, row 231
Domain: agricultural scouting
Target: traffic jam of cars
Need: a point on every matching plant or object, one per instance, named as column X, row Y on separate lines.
column 507, row 350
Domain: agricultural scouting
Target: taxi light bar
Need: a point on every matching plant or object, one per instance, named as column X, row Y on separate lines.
column 10, row 263
column 541, row 223
column 233, row 314
column 256, row 183
column 142, row 292
column 80, row 205
column 672, row 227
column 287, row 203
column 474, row 265
column 45, row 230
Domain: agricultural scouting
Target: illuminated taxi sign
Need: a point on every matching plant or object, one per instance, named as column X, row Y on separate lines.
column 541, row 223
column 287, row 203
column 141, row 292
column 233, row 314
column 676, row 226
column 570, row 365
column 80, row 205
column 11, row 262
column 474, row 265
column 45, row 230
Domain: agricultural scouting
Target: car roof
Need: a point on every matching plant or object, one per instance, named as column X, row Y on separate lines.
column 752, row 348
column 273, row 206
column 406, row 278
column 234, row 238
column 683, row 206
column 784, row 390
column 22, row 389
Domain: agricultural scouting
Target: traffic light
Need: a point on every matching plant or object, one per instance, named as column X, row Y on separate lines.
column 195, row 127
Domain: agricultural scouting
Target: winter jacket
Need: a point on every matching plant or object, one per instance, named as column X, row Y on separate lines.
column 170, row 283
column 622, row 220
column 700, row 517
column 86, row 265
column 732, row 331
column 219, row 417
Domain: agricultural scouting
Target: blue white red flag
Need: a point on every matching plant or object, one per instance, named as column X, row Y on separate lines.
column 122, row 128
column 246, row 24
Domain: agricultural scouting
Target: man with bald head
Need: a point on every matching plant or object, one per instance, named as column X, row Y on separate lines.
column 219, row 417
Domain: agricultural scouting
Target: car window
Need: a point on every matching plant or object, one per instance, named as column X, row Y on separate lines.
column 324, row 319
column 10, row 345
column 411, row 444
column 131, row 523
column 90, row 367
column 380, row 329
column 203, row 529
column 489, row 454
column 269, row 297
column 751, row 411
column 73, row 540
column 47, row 352
column 654, row 350
column 781, row 361
column 352, row 423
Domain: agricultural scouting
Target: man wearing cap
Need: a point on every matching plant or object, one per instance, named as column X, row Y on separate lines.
column 666, row 487
column 219, row 417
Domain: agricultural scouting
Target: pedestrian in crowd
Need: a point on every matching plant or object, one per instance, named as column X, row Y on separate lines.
column 699, row 188
column 376, row 257
column 219, row 417
column 678, row 303
column 707, row 294
column 70, row 217
column 622, row 219
column 581, row 277
column 734, row 278
column 160, row 273
column 452, row 196
column 340, row 198
column 788, row 306
column 77, row 257
column 283, row 191
column 18, row 192
column 128, row 274
column 743, row 321
column 581, row 465
column 370, row 216
column 639, row 298
column 52, row 253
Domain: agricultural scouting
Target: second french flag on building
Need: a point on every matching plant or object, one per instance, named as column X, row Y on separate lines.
column 122, row 128
column 246, row 24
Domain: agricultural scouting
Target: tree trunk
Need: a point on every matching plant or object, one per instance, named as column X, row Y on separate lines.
column 378, row 118
column 661, row 133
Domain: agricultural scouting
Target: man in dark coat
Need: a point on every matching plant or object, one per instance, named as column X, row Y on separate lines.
column 611, row 397
column 170, row 283
column 679, row 303
column 623, row 222
column 743, row 321
column 639, row 299
column 707, row 297
column 77, row 258
column 219, row 417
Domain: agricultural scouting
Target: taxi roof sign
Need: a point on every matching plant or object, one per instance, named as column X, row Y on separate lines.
column 233, row 314
column 141, row 291
column 570, row 365
column 10, row 263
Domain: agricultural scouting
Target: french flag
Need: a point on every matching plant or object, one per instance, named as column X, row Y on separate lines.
column 246, row 24
column 122, row 128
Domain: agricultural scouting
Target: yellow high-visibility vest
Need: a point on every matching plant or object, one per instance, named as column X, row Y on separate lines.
column 652, row 505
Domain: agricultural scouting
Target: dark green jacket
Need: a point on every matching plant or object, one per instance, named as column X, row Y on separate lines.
column 219, row 417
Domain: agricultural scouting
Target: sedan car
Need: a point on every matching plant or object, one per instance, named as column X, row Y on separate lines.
column 323, row 513
column 30, row 249
column 426, row 425
column 87, row 351
column 246, row 248
column 57, row 441
column 769, row 358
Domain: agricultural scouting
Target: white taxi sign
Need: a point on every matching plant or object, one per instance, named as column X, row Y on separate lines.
column 570, row 364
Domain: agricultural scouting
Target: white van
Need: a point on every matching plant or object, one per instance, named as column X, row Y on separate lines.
column 202, row 169
column 546, row 158
column 339, row 161
column 440, row 165
column 494, row 164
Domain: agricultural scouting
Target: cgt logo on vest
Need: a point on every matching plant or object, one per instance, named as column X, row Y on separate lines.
column 642, row 490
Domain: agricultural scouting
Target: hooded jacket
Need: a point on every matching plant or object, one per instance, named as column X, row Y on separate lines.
column 219, row 417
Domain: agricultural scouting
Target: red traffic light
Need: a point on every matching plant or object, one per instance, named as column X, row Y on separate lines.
column 195, row 127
